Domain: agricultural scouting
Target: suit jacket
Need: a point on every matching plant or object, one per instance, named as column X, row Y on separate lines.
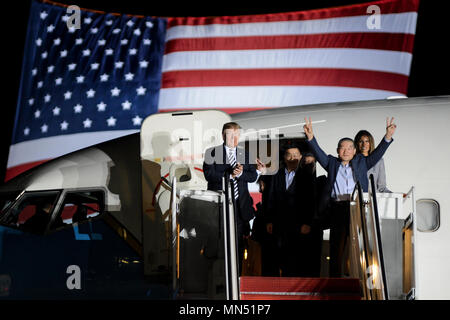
column 214, row 168
column 360, row 165
column 289, row 209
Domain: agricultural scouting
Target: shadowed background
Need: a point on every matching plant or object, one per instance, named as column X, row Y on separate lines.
column 429, row 70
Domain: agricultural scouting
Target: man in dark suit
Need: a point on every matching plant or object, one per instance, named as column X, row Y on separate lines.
column 344, row 172
column 290, row 213
column 269, row 250
column 230, row 159
column 312, row 249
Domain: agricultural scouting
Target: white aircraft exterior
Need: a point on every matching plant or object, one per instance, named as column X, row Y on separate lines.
column 418, row 157
column 135, row 172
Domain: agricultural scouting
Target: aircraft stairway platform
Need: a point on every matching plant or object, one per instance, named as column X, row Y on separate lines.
column 289, row 288
column 204, row 239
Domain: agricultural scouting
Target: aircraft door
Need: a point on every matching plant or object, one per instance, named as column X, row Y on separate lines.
column 198, row 245
column 172, row 145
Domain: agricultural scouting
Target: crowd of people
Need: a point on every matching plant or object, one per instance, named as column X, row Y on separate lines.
column 297, row 205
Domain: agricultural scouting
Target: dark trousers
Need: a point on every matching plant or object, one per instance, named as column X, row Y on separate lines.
column 242, row 229
column 241, row 244
column 339, row 231
column 269, row 256
column 315, row 251
column 300, row 254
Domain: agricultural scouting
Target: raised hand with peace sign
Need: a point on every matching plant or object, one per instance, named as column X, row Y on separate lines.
column 390, row 128
column 308, row 129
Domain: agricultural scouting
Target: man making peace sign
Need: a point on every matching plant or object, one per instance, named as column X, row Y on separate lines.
column 344, row 172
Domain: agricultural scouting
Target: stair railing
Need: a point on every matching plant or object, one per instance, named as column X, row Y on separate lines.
column 366, row 258
column 230, row 239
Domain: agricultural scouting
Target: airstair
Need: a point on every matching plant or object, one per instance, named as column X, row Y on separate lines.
column 198, row 228
column 205, row 261
column 286, row 288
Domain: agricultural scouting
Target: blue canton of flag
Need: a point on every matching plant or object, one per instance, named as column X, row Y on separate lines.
column 104, row 76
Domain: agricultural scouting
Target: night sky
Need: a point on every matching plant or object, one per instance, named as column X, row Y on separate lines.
column 429, row 71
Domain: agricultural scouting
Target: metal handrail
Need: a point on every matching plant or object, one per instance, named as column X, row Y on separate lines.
column 363, row 255
column 231, row 251
column 410, row 193
column 175, row 237
column 410, row 222
column 378, row 235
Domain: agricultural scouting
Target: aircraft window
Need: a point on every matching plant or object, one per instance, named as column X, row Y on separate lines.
column 32, row 212
column 428, row 215
column 79, row 207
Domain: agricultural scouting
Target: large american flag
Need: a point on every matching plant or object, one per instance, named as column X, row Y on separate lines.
column 83, row 86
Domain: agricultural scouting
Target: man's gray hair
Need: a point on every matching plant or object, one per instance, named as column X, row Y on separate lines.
column 346, row 139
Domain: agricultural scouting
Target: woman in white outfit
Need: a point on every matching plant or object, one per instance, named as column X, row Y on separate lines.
column 365, row 145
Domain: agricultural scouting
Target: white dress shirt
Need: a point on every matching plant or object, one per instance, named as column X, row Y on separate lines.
column 344, row 184
column 289, row 175
column 232, row 151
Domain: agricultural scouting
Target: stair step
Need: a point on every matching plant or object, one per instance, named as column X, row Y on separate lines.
column 287, row 288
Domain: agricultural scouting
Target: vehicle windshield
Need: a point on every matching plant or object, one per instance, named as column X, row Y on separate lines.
column 78, row 207
column 6, row 200
column 31, row 212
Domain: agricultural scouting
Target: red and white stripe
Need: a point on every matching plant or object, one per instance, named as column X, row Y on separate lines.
column 242, row 63
column 238, row 63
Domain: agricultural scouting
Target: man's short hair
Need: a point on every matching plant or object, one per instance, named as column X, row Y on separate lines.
column 230, row 125
column 286, row 148
column 290, row 145
column 346, row 139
